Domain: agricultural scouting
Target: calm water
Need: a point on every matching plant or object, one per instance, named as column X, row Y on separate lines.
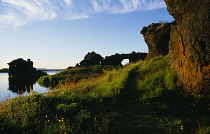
column 6, row 93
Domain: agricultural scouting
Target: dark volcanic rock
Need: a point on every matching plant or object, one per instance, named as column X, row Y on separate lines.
column 116, row 60
column 21, row 67
column 91, row 59
column 24, row 69
column 22, row 75
column 113, row 60
column 157, row 36
column 190, row 43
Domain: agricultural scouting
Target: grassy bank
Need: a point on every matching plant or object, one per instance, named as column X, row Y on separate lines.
column 139, row 98
column 72, row 75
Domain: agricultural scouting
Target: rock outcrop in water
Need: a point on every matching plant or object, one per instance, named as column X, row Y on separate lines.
column 21, row 67
column 22, row 75
column 187, row 40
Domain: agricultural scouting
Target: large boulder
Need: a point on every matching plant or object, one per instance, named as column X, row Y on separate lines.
column 190, row 43
column 157, row 36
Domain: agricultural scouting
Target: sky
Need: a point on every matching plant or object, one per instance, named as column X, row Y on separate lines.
column 56, row 34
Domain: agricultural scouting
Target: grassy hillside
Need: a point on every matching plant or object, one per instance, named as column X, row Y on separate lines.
column 138, row 98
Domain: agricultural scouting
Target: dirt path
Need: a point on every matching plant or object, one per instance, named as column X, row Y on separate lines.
column 131, row 116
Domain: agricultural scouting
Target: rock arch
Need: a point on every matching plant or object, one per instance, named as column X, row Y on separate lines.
column 116, row 60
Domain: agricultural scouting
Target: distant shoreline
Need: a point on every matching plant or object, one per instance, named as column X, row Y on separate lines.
column 5, row 70
column 50, row 69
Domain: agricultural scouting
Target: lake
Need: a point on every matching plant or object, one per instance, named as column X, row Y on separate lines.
column 6, row 92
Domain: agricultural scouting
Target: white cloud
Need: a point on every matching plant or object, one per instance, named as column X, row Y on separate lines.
column 77, row 16
column 155, row 5
column 32, row 10
column 102, row 6
column 96, row 6
column 68, row 2
column 15, row 13
column 10, row 20
column 20, row 12
column 128, row 6
column 125, row 6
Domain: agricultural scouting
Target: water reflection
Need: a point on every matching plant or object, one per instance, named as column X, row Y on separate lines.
column 21, row 84
column 10, row 88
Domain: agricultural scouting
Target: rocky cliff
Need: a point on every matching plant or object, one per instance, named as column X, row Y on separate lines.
column 157, row 36
column 189, row 45
column 187, row 40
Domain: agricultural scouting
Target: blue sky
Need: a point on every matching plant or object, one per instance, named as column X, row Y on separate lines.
column 58, row 33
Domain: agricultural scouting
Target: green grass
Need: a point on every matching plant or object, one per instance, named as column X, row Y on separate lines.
column 72, row 75
column 204, row 130
column 156, row 77
column 112, row 83
column 139, row 98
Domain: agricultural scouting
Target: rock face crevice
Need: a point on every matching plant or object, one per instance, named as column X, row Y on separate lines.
column 189, row 43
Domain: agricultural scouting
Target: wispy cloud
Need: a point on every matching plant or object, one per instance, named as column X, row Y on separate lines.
column 68, row 2
column 126, row 6
column 21, row 12
column 15, row 13
column 155, row 4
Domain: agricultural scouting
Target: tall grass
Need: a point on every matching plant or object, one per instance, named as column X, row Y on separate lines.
column 111, row 83
column 155, row 77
